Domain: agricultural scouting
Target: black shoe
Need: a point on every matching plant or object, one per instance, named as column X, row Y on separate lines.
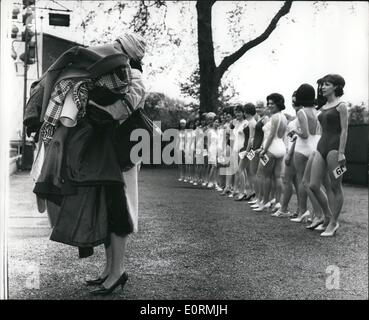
column 250, row 196
column 102, row 291
column 96, row 282
column 240, row 197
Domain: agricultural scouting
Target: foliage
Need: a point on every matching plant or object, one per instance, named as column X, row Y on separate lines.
column 169, row 111
column 358, row 114
column 191, row 88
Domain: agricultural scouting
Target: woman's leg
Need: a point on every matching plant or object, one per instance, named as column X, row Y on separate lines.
column 267, row 177
column 318, row 170
column 259, row 182
column 240, row 180
column 249, row 179
column 336, row 185
column 278, row 179
column 318, row 214
column 300, row 164
column 289, row 174
column 118, row 248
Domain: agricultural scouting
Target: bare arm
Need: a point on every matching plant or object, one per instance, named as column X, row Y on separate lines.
column 251, row 136
column 304, row 133
column 342, row 109
column 273, row 132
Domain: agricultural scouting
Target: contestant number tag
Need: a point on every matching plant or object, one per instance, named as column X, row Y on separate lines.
column 242, row 154
column 250, row 155
column 264, row 160
column 339, row 171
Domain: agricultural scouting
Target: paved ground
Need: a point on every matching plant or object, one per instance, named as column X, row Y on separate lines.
column 195, row 244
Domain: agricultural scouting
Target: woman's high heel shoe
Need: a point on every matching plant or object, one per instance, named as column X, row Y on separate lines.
column 253, row 201
column 240, row 197
column 96, row 282
column 331, row 233
column 315, row 224
column 102, row 291
column 302, row 217
column 250, row 196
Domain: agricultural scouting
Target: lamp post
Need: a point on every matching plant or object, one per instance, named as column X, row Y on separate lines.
column 23, row 162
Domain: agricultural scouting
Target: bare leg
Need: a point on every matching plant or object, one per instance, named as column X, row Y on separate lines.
column 267, row 176
column 337, row 190
column 118, row 248
column 108, row 263
column 318, row 169
column 278, row 179
column 300, row 165
column 289, row 174
column 318, row 214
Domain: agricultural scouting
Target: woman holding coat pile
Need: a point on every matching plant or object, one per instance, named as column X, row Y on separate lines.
column 94, row 197
column 114, row 273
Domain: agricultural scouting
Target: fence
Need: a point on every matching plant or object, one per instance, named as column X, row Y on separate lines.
column 357, row 154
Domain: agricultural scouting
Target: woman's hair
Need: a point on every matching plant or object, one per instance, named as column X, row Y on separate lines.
column 229, row 110
column 217, row 117
column 189, row 124
column 336, row 80
column 250, row 109
column 278, row 99
column 305, row 96
column 239, row 108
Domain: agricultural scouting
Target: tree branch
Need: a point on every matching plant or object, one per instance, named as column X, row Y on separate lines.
column 232, row 58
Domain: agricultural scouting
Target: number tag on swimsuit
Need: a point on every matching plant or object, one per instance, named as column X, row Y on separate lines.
column 339, row 171
column 198, row 151
column 293, row 138
column 250, row 155
column 221, row 159
column 264, row 160
column 242, row 154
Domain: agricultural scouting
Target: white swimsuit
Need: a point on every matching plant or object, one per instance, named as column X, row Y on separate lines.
column 307, row 146
column 277, row 147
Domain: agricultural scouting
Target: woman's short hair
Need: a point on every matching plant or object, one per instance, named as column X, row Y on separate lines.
column 278, row 99
column 228, row 110
column 250, row 109
column 239, row 108
column 336, row 80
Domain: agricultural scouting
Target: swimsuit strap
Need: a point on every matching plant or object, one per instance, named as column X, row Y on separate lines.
column 307, row 120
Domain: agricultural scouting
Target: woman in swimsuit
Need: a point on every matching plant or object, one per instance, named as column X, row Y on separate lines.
column 289, row 175
column 229, row 114
column 330, row 150
column 307, row 139
column 249, row 133
column 238, row 137
column 274, row 147
column 255, row 166
column 181, row 149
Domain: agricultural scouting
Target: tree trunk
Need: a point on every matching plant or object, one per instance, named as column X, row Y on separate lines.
column 210, row 74
column 208, row 81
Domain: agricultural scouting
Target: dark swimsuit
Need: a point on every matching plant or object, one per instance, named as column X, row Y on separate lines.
column 259, row 134
column 331, row 131
column 246, row 132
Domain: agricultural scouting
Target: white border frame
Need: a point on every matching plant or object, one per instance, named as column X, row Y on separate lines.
column 5, row 46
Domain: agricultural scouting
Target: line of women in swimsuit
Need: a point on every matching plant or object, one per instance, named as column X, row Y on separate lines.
column 249, row 152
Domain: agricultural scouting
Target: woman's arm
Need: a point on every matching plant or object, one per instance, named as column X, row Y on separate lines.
column 303, row 124
column 273, row 132
column 342, row 109
column 251, row 136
